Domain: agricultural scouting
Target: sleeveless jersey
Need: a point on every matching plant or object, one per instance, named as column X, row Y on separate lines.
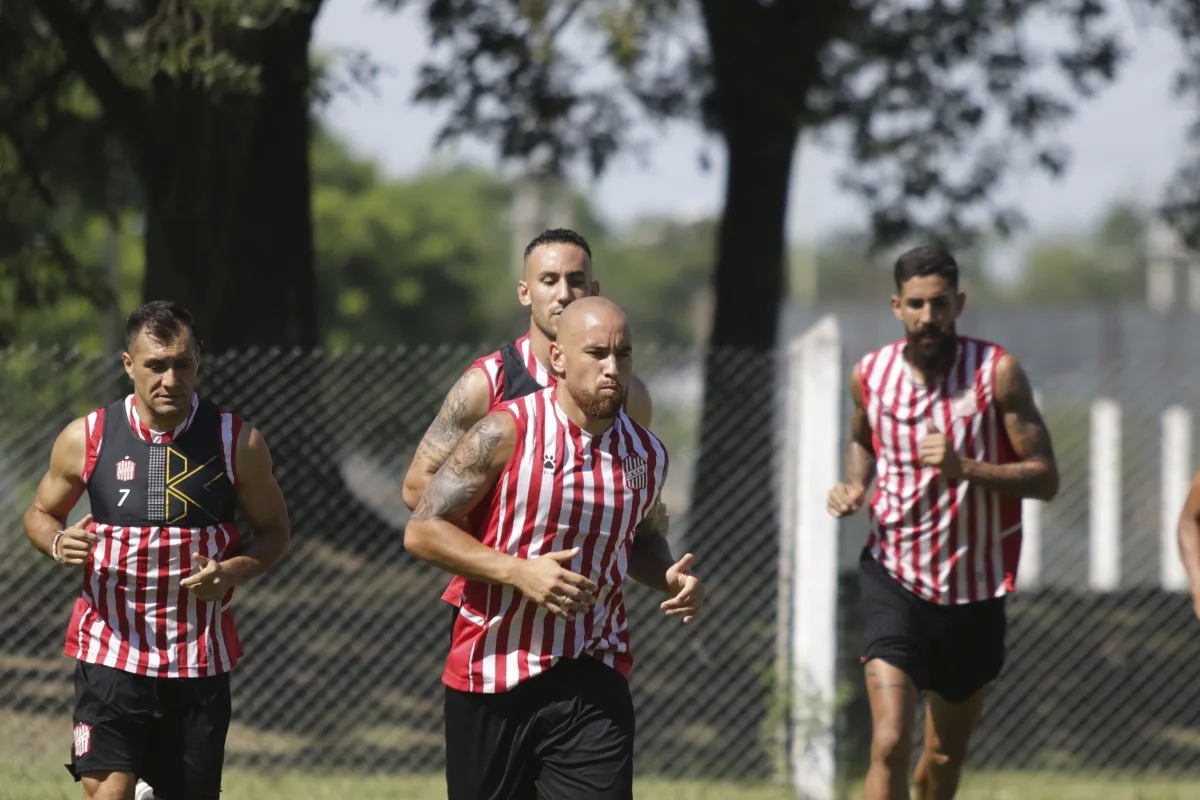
column 947, row 541
column 505, row 379
column 512, row 371
column 157, row 498
column 562, row 488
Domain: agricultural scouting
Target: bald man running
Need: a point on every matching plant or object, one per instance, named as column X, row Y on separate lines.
column 558, row 272
column 537, row 701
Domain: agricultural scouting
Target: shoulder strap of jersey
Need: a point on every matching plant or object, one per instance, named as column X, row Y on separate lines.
column 517, row 380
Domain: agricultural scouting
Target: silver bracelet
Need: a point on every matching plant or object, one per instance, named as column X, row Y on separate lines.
column 54, row 547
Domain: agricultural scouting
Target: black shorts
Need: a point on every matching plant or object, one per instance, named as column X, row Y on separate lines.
column 170, row 732
column 952, row 650
column 565, row 735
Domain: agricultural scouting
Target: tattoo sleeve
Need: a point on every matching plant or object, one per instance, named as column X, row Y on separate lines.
column 465, row 475
column 465, row 404
column 447, row 427
column 432, row 533
column 1035, row 473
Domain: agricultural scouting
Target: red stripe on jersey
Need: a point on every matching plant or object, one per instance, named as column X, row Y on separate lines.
column 94, row 427
column 946, row 541
column 501, row 638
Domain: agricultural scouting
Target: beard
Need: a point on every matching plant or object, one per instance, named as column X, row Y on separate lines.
column 935, row 355
column 596, row 405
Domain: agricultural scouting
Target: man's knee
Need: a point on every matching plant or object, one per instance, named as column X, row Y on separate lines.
column 890, row 744
column 107, row 785
column 946, row 757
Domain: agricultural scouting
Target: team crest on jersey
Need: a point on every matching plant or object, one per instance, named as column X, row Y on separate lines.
column 634, row 471
column 83, row 739
column 126, row 469
column 548, row 463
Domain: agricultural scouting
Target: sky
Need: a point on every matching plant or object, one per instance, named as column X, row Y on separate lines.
column 1125, row 144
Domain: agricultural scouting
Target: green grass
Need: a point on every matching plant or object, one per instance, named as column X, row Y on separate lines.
column 32, row 751
column 43, row 782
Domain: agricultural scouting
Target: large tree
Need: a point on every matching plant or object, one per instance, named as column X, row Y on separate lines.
column 198, row 114
column 199, row 111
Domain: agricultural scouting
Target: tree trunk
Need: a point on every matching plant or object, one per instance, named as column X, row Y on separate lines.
column 733, row 521
column 229, row 235
column 228, row 216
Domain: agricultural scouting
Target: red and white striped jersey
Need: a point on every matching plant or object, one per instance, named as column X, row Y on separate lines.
column 562, row 488
column 493, row 366
column 157, row 498
column 947, row 541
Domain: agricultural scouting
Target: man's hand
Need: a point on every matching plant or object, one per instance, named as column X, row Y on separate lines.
column 560, row 591
column 689, row 591
column 75, row 544
column 936, row 450
column 844, row 499
column 210, row 583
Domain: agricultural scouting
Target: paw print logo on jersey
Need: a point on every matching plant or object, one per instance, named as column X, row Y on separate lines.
column 548, row 463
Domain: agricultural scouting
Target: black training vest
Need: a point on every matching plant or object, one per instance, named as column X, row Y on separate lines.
column 183, row 483
column 518, row 382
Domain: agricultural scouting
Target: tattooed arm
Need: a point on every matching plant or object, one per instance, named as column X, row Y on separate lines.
column 466, row 403
column 1035, row 473
column 432, row 534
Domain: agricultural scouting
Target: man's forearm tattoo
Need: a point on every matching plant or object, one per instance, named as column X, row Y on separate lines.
column 439, row 441
column 463, row 475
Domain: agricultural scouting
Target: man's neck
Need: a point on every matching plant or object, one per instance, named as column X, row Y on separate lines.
column 156, row 423
column 567, row 403
column 929, row 374
column 539, row 345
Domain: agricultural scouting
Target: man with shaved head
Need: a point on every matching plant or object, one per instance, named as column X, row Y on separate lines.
column 558, row 272
column 544, row 507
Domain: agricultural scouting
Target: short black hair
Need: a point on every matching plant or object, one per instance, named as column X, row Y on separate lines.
column 920, row 262
column 162, row 320
column 559, row 236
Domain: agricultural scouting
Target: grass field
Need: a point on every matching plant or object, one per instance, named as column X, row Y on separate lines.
column 31, row 768
column 42, row 782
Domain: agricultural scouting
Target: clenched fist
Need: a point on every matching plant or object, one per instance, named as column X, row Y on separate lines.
column 74, row 547
column 844, row 499
column 936, row 450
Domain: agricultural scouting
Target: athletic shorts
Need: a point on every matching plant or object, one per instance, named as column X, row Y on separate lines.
column 170, row 732
column 953, row 650
column 566, row 734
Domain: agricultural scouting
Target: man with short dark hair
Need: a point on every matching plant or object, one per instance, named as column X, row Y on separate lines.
column 947, row 427
column 558, row 271
column 152, row 632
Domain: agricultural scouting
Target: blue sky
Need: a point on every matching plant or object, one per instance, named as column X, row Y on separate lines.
column 1125, row 143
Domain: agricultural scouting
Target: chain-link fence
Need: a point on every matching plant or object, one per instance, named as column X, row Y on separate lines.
column 346, row 639
column 1095, row 683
